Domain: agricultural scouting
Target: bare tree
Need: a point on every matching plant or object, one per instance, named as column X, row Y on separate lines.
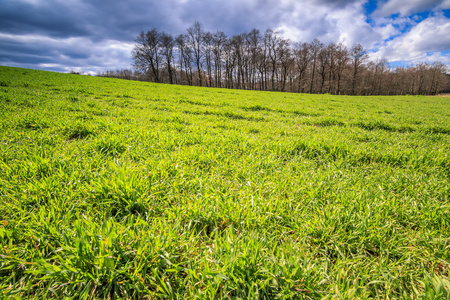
column 270, row 62
column 253, row 41
column 219, row 39
column 341, row 63
column 286, row 61
column 315, row 48
column 273, row 40
column 229, row 63
column 302, row 60
column 376, row 73
column 167, row 45
column 208, row 46
column 185, row 57
column 262, row 63
column 323, row 60
column 195, row 33
column 146, row 52
column 236, row 43
column 438, row 79
column 358, row 55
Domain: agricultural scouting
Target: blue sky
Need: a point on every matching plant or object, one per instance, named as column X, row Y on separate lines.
column 98, row 35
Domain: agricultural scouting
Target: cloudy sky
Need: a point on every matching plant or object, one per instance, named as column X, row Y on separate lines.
column 98, row 35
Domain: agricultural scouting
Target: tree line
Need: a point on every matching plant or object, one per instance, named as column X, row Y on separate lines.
column 268, row 61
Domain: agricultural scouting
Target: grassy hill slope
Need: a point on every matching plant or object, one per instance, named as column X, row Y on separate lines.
column 122, row 189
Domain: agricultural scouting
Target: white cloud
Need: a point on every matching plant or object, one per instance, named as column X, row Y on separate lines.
column 430, row 35
column 386, row 31
column 437, row 56
column 346, row 24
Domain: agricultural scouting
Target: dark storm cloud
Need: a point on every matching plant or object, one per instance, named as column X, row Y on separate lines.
column 123, row 20
column 35, row 29
column 119, row 20
column 100, row 34
column 232, row 18
column 43, row 49
column 19, row 49
column 405, row 8
column 49, row 18
column 100, row 21
column 24, row 58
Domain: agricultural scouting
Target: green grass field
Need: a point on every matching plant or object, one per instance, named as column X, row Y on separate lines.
column 114, row 189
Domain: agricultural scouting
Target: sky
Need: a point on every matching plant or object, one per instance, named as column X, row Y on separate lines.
column 91, row 36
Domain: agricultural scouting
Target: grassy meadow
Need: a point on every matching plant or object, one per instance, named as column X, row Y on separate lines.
column 114, row 189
